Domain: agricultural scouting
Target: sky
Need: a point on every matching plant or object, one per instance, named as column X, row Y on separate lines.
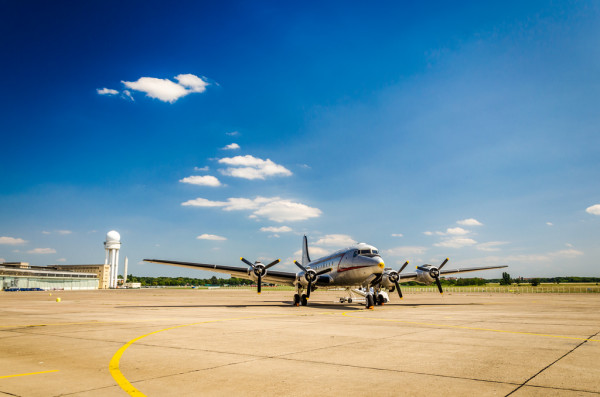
column 205, row 131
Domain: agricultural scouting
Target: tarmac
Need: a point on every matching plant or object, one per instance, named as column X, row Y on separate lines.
column 183, row 342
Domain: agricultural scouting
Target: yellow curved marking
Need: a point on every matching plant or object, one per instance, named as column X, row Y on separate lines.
column 471, row 328
column 30, row 373
column 122, row 381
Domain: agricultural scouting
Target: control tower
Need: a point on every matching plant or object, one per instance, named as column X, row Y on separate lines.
column 112, row 245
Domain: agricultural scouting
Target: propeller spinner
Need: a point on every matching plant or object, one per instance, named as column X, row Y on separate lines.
column 259, row 270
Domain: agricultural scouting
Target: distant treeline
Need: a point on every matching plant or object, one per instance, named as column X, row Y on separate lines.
column 234, row 281
column 186, row 281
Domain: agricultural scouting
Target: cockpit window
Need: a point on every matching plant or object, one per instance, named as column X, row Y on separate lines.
column 368, row 252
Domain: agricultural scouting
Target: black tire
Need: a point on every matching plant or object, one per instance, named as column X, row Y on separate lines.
column 370, row 302
column 296, row 300
column 349, row 300
column 304, row 300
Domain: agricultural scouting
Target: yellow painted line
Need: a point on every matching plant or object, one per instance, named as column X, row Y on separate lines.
column 471, row 328
column 30, row 373
column 122, row 381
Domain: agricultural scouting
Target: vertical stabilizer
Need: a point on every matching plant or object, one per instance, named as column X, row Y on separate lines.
column 305, row 256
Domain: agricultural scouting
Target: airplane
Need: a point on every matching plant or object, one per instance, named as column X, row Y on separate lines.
column 357, row 266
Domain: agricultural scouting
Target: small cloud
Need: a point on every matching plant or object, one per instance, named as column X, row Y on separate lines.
column 272, row 208
column 45, row 232
column 250, row 167
column 42, row 251
column 305, row 166
column 470, row 222
column 211, row 237
column 274, row 229
column 397, row 235
column 232, row 133
column 232, row 146
column 106, row 91
column 61, row 260
column 11, row 241
column 206, row 180
column 594, row 209
column 549, row 223
column 456, row 242
column 568, row 253
column 428, row 233
column 64, row 232
column 456, row 231
column 203, row 169
column 167, row 90
column 336, row 240
column 127, row 95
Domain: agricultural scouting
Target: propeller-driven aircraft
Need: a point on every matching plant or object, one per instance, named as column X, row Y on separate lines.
column 357, row 266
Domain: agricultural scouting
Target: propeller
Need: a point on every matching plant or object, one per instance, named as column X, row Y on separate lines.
column 259, row 269
column 310, row 275
column 394, row 277
column 434, row 273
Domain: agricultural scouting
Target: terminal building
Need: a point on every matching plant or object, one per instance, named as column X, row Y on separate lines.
column 16, row 276
column 22, row 276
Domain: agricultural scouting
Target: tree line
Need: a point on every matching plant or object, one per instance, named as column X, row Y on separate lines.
column 235, row 281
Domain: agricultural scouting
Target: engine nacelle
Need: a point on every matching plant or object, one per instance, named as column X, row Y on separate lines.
column 427, row 276
column 386, row 281
column 256, row 270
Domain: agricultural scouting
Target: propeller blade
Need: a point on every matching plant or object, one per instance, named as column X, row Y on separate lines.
column 403, row 266
column 272, row 263
column 439, row 285
column 299, row 265
column 443, row 264
column 247, row 262
column 398, row 288
column 308, row 289
column 259, row 282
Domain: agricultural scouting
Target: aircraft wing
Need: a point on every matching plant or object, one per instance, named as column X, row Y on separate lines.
column 413, row 275
column 241, row 272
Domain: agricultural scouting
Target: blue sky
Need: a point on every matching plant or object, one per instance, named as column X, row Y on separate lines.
column 206, row 131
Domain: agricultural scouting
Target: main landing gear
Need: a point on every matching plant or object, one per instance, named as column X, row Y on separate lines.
column 300, row 300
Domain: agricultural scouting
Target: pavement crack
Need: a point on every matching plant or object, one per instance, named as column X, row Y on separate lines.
column 554, row 362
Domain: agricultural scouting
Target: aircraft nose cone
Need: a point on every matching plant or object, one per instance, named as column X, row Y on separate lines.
column 381, row 265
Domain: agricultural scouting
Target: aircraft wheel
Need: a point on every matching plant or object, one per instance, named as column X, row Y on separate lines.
column 342, row 300
column 304, row 300
column 349, row 300
column 380, row 300
column 296, row 300
column 369, row 301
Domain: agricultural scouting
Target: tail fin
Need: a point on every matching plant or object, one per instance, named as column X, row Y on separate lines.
column 305, row 256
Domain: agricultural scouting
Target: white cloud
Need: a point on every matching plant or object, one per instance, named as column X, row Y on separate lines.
column 167, row 90
column 232, row 133
column 285, row 210
column 64, row 232
column 62, row 260
column 211, row 237
column 106, row 91
column 204, row 169
column 406, row 251
column 549, row 223
column 456, row 242
column 568, row 253
column 207, row 180
column 127, row 95
column 315, row 252
column 336, row 240
column 397, row 235
column 42, row 251
column 274, row 229
column 45, row 232
column 456, row 231
column 11, row 241
column 232, row 146
column 594, row 209
column 250, row 167
column 470, row 222
column 490, row 246
column 272, row 208
column 428, row 233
